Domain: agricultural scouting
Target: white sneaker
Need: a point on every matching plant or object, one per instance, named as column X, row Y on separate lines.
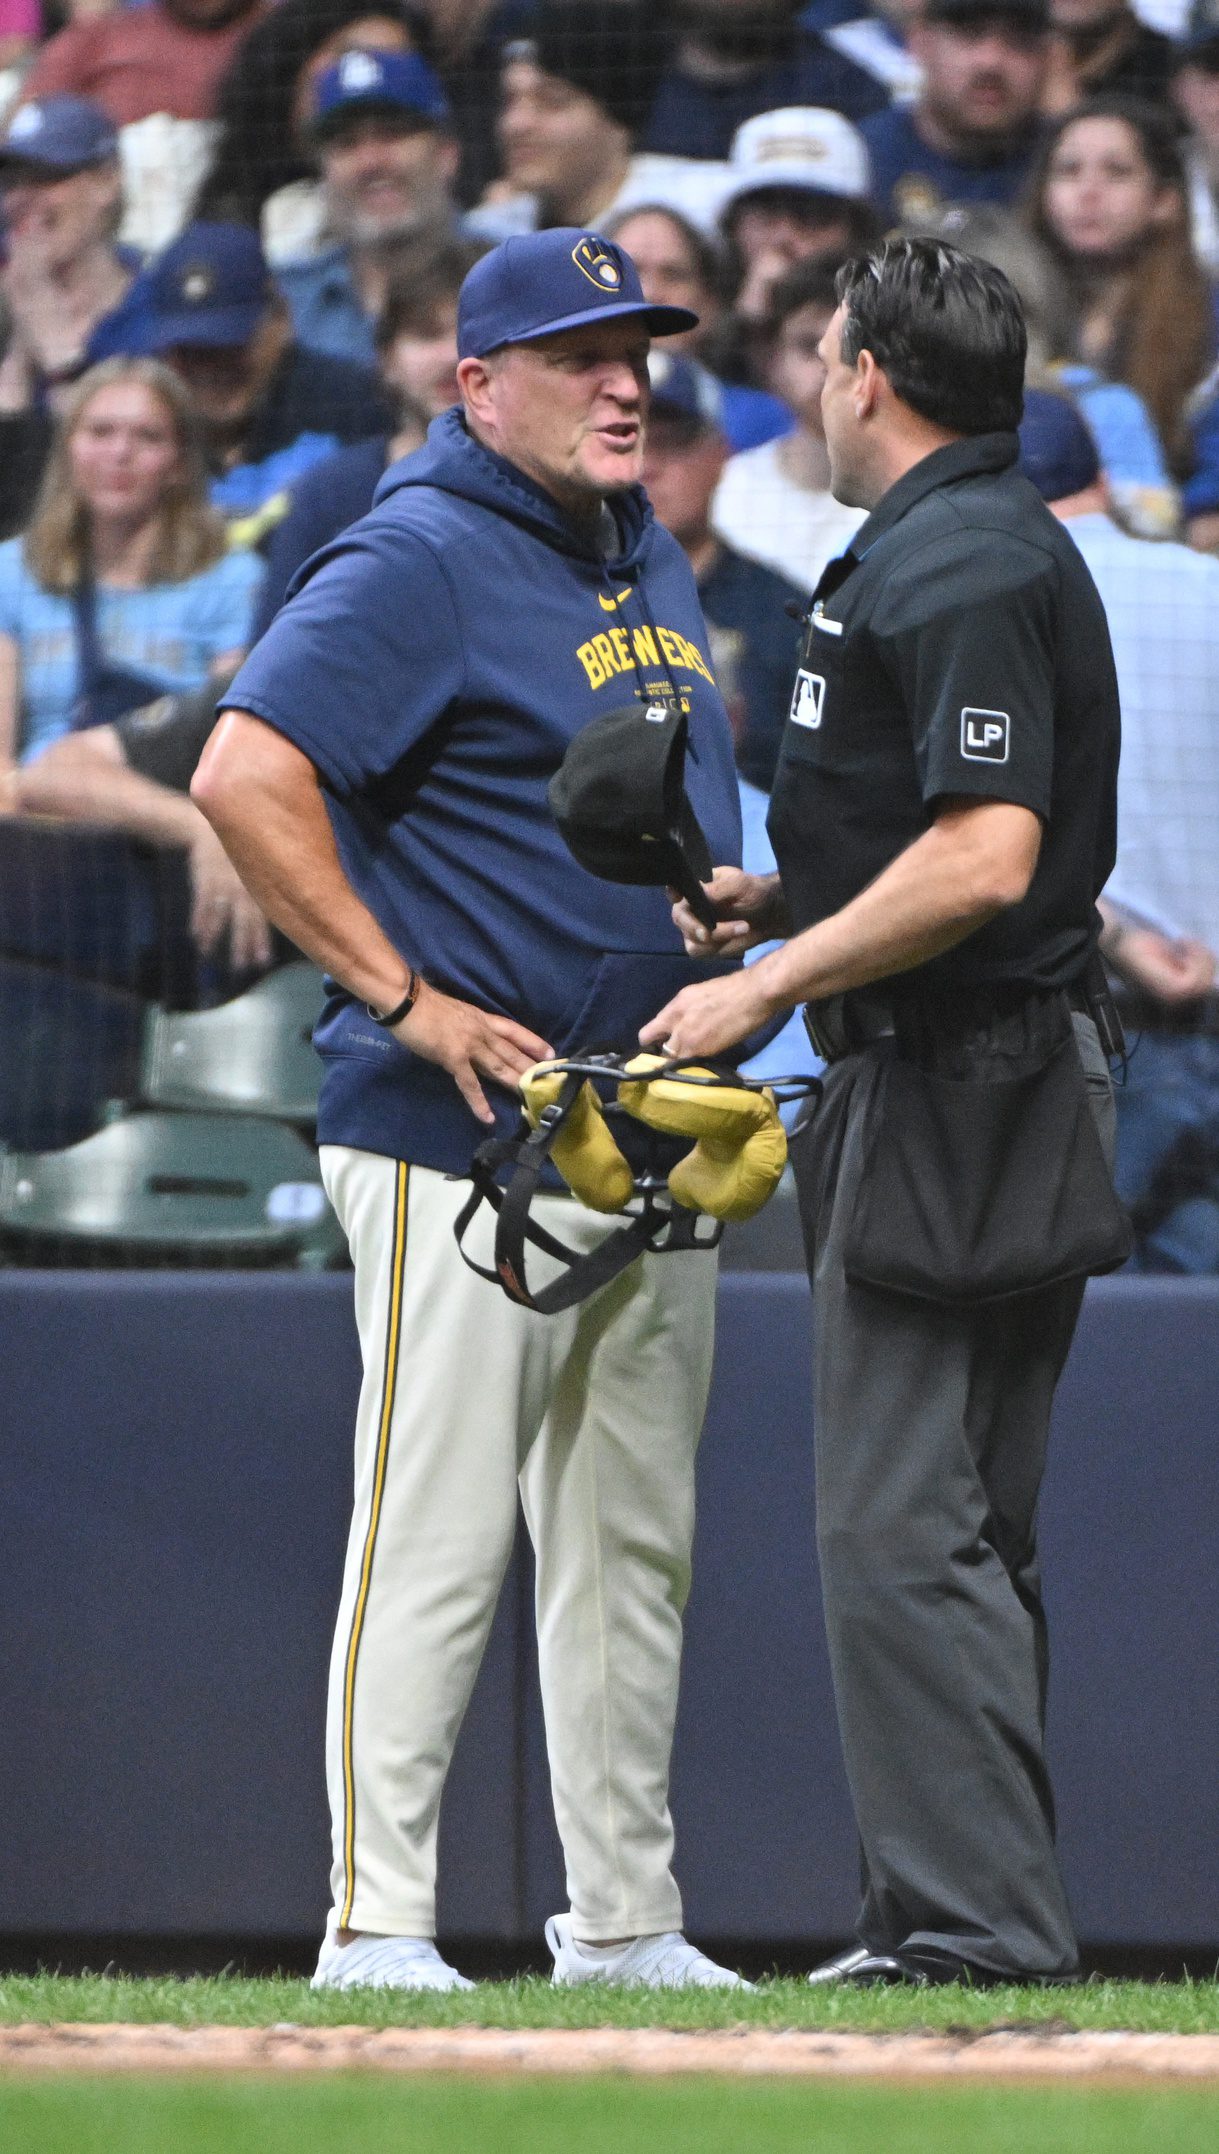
column 665, row 1962
column 384, row 1963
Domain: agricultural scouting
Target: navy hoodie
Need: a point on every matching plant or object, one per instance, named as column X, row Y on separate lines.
column 433, row 663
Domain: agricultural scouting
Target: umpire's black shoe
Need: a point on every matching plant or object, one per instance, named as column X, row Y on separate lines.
column 925, row 1967
column 842, row 1966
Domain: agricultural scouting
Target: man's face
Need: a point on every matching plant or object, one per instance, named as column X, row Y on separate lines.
column 786, row 225
column 421, row 363
column 56, row 218
column 839, row 419
column 797, row 366
column 386, row 176
column 1196, row 90
column 682, row 462
column 982, row 78
column 556, row 141
column 569, row 410
column 226, row 381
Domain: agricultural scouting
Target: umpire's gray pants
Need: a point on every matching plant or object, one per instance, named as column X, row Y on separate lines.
column 930, row 1429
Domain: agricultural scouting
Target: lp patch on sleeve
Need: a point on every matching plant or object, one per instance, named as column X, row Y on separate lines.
column 986, row 736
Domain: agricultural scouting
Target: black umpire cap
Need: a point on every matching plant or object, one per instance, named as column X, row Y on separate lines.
column 620, row 800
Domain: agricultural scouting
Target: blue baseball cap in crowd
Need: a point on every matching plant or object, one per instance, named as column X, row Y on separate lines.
column 1057, row 452
column 211, row 287
column 540, row 282
column 61, row 134
column 401, row 83
column 682, row 389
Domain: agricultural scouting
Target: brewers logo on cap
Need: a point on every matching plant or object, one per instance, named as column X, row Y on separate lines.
column 599, row 264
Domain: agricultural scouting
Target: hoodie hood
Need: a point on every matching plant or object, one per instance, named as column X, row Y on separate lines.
column 452, row 462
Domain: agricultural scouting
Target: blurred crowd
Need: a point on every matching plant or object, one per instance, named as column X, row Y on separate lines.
column 233, row 236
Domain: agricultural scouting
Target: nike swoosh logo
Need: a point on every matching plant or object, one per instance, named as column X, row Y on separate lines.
column 611, row 605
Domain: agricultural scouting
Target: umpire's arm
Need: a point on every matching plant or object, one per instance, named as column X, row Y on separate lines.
column 264, row 799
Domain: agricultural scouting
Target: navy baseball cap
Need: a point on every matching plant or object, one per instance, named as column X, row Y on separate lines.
column 1057, row 452
column 394, row 82
column 211, row 287
column 683, row 389
column 62, row 134
column 540, row 282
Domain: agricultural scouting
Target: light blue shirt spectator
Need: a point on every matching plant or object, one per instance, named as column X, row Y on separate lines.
column 1131, row 452
column 326, row 310
column 1162, row 604
column 173, row 632
column 789, row 1054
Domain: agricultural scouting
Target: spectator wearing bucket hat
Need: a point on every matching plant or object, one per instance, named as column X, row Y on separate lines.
column 971, row 134
column 269, row 406
column 382, row 139
column 575, row 96
column 409, row 705
column 62, row 197
column 798, row 189
column 1195, row 88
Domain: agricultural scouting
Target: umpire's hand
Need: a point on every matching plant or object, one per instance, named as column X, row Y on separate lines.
column 749, row 909
column 469, row 1043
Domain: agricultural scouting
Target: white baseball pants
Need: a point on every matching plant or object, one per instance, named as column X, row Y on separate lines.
column 595, row 1415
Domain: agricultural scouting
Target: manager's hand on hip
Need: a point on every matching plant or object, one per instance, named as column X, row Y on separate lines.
column 469, row 1043
column 750, row 909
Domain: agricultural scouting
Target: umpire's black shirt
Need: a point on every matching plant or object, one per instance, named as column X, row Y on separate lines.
column 958, row 648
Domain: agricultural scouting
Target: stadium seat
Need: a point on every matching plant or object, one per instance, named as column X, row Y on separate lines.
column 252, row 1055
column 191, row 1186
column 69, row 1045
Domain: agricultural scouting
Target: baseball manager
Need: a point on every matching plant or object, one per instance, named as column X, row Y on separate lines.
column 380, row 780
column 943, row 819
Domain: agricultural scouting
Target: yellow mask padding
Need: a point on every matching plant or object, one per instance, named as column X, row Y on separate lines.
column 741, row 1149
column 584, row 1150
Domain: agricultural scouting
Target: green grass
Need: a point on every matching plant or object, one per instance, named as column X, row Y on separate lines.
column 353, row 2115
column 1150, row 2007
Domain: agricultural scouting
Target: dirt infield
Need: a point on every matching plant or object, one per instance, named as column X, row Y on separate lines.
column 1002, row 2052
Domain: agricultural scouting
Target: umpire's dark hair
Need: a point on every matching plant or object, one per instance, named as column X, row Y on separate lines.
column 945, row 327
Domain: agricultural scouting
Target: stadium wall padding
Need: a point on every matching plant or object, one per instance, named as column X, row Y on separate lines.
column 177, row 1478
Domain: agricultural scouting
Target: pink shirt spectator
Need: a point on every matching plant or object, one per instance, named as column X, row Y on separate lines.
column 139, row 61
column 20, row 18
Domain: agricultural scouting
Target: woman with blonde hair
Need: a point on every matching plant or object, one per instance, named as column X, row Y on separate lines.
column 121, row 590
column 1109, row 199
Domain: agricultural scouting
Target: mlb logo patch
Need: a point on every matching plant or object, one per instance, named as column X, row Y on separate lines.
column 808, row 699
column 986, row 736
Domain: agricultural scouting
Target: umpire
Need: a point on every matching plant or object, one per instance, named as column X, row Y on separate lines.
column 943, row 819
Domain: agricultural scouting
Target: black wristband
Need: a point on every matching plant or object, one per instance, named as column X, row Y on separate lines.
column 396, row 1015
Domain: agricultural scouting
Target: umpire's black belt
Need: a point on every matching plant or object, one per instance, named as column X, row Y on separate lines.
column 845, row 1024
